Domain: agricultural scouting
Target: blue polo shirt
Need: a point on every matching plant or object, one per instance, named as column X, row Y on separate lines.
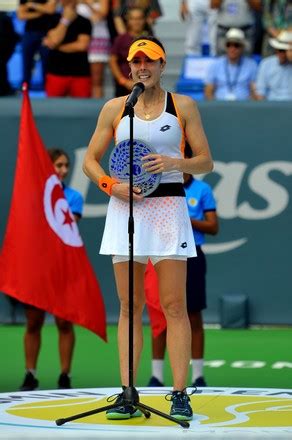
column 274, row 80
column 74, row 199
column 200, row 199
column 232, row 79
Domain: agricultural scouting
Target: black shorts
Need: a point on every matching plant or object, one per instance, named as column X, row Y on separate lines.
column 196, row 282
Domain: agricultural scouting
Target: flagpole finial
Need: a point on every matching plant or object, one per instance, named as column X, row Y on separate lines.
column 24, row 86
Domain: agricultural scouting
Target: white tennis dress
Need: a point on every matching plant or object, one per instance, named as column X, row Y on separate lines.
column 162, row 225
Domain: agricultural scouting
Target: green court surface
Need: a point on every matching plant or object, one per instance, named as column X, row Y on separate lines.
column 260, row 358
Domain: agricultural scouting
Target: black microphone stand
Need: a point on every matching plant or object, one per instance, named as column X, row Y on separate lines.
column 130, row 394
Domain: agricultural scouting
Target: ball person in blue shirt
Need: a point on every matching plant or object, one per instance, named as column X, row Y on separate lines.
column 202, row 211
column 34, row 316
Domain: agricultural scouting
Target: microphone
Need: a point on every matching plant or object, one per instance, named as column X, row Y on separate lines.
column 137, row 90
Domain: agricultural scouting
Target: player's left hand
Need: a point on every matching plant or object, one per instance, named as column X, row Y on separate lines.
column 157, row 163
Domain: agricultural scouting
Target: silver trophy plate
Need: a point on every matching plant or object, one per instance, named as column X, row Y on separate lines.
column 119, row 165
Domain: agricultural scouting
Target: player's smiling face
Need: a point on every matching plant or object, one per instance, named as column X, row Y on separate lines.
column 145, row 70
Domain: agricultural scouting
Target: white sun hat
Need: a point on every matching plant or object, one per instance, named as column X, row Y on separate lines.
column 236, row 35
column 283, row 41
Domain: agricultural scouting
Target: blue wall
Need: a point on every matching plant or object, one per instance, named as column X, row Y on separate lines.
column 252, row 181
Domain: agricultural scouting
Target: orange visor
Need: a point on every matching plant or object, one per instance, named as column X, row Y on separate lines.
column 149, row 48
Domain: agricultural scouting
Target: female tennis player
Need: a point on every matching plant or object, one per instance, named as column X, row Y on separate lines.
column 163, row 230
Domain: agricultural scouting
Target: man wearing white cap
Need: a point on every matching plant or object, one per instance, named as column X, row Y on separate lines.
column 231, row 77
column 274, row 80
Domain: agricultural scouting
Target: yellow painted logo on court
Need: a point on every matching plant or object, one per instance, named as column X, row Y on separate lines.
column 221, row 409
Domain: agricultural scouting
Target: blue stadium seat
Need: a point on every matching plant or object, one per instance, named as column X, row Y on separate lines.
column 191, row 87
column 192, row 78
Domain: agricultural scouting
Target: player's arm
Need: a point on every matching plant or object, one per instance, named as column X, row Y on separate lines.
column 100, row 141
column 98, row 145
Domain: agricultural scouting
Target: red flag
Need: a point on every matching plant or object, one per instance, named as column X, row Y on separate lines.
column 43, row 261
column 156, row 315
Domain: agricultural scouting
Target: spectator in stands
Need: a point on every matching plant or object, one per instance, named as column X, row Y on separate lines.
column 35, row 317
column 202, row 212
column 99, row 49
column 196, row 13
column 236, row 14
column 231, row 77
column 277, row 16
column 152, row 11
column 39, row 20
column 135, row 25
column 8, row 41
column 274, row 79
column 68, row 71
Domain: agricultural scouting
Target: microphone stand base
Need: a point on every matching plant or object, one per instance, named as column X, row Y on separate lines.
column 130, row 396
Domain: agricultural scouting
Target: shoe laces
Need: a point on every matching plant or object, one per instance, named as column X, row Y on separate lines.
column 115, row 397
column 180, row 397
